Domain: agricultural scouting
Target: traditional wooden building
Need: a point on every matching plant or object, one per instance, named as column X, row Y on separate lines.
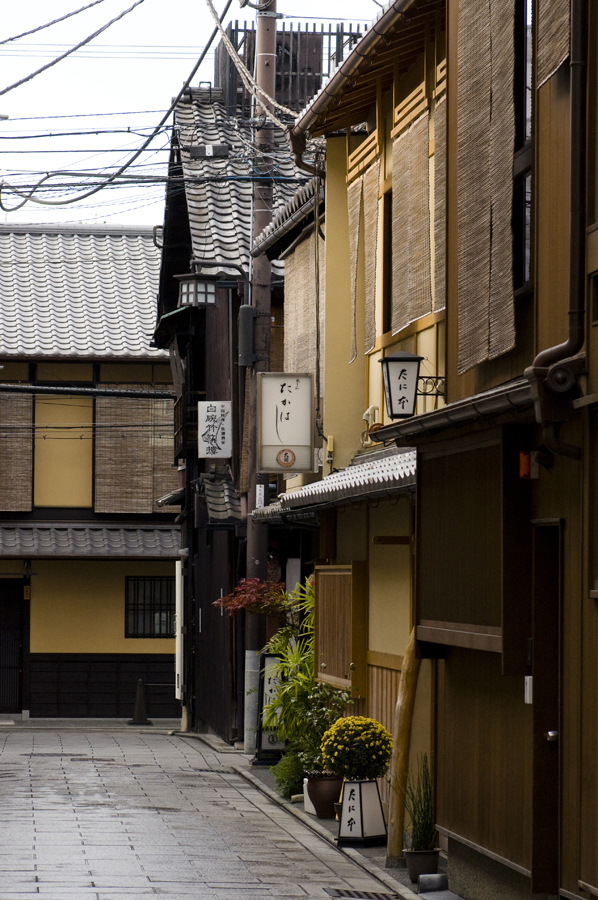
column 87, row 586
column 495, row 247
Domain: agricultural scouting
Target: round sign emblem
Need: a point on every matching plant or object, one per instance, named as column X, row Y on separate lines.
column 285, row 458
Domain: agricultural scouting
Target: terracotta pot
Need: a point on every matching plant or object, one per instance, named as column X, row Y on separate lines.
column 324, row 792
column 421, row 862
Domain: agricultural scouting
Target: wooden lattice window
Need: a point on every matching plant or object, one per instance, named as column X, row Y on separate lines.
column 341, row 627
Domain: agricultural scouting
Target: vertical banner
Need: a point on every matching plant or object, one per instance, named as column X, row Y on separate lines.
column 285, row 422
column 214, row 429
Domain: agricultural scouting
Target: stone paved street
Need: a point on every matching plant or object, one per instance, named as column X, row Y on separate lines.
column 120, row 815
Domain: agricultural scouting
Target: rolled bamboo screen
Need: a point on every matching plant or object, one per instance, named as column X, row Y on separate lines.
column 553, row 37
column 486, row 133
column 16, row 440
column 411, row 289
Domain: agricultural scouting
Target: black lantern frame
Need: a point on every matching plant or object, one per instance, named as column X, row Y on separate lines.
column 197, row 289
column 400, row 374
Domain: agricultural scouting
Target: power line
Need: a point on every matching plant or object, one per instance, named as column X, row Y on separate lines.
column 72, row 50
column 27, row 197
column 48, row 24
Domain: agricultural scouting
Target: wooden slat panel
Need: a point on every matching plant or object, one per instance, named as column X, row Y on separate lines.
column 484, row 756
column 383, row 690
column 333, row 624
column 341, row 631
column 409, row 109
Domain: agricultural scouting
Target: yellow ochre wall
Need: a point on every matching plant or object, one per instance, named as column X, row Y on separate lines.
column 345, row 397
column 79, row 606
column 63, row 458
column 390, row 578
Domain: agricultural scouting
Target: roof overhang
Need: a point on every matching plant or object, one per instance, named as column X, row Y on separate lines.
column 396, row 37
column 514, row 396
column 386, row 475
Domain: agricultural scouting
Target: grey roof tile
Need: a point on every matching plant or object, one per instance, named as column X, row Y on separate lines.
column 77, row 291
column 93, row 542
column 220, row 213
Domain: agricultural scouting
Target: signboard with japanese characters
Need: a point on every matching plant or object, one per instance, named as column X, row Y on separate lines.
column 285, row 429
column 214, row 429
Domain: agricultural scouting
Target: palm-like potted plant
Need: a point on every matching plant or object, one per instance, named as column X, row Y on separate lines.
column 301, row 709
column 418, row 796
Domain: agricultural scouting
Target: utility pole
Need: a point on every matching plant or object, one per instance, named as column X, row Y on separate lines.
column 257, row 533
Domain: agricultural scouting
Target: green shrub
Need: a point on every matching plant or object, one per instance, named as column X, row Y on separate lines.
column 357, row 748
column 288, row 773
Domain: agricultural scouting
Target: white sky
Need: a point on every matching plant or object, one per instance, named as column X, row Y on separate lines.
column 135, row 67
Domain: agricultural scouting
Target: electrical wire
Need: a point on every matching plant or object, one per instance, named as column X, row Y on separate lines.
column 125, row 166
column 48, row 24
column 82, row 43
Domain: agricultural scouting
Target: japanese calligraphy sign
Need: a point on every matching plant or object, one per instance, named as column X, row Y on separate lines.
column 214, row 429
column 361, row 819
column 285, row 429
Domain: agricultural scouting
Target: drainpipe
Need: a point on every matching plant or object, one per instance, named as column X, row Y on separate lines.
column 554, row 370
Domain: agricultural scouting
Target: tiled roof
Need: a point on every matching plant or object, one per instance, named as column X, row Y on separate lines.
column 377, row 478
column 220, row 213
column 297, row 208
column 77, row 291
column 88, row 541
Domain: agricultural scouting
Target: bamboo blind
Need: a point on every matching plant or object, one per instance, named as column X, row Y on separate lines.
column 486, row 133
column 300, row 337
column 354, row 204
column 411, row 288
column 440, row 204
column 133, row 462
column 371, row 180
column 553, row 37
column 16, row 470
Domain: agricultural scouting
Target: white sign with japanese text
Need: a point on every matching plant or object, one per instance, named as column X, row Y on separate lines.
column 285, row 409
column 214, row 429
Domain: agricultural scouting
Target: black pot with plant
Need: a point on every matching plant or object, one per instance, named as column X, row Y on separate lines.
column 418, row 796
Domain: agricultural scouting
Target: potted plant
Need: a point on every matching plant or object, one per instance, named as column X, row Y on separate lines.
column 359, row 749
column 301, row 710
column 418, row 796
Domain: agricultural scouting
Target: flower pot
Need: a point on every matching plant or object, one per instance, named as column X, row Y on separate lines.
column 324, row 791
column 421, row 862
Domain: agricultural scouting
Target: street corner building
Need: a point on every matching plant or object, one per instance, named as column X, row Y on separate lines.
column 87, row 557
column 456, row 221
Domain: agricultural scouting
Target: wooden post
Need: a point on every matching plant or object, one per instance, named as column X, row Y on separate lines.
column 403, row 721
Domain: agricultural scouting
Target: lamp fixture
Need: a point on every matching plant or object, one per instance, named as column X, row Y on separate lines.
column 400, row 373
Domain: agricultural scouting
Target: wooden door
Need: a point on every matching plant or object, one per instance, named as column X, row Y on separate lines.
column 11, row 644
column 546, row 572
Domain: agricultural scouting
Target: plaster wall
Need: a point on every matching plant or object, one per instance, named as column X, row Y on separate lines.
column 346, row 395
column 389, row 578
column 79, row 606
column 63, row 459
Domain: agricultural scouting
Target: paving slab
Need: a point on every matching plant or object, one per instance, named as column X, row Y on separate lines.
column 100, row 814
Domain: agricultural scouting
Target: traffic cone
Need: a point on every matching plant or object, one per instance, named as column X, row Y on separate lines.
column 139, row 714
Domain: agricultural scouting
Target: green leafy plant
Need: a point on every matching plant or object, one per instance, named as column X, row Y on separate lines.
column 418, row 797
column 301, row 709
column 288, row 773
column 358, row 748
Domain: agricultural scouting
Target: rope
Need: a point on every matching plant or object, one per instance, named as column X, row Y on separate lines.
column 246, row 77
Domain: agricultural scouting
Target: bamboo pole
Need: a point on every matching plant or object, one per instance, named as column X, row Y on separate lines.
column 403, row 720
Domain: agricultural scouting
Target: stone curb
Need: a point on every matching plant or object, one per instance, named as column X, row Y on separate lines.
column 314, row 825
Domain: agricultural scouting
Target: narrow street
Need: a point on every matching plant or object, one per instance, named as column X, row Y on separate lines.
column 107, row 814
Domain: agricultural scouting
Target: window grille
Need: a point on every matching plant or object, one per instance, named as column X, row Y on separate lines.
column 149, row 607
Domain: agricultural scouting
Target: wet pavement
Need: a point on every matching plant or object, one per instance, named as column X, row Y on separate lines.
column 94, row 814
